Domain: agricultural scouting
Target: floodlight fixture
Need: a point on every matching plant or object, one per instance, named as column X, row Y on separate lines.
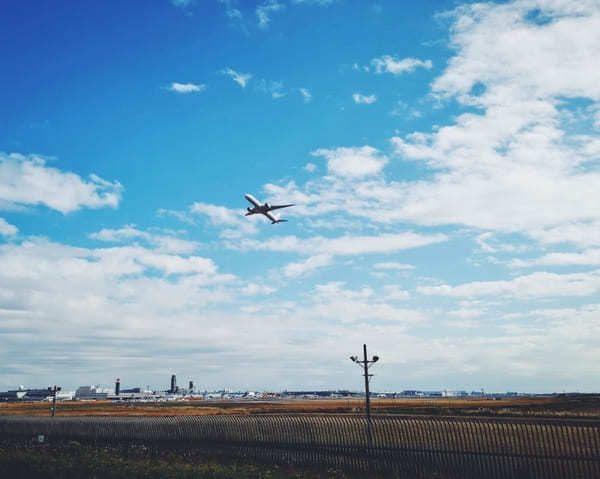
column 365, row 364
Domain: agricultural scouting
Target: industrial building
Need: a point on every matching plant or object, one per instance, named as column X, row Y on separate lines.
column 88, row 393
column 23, row 394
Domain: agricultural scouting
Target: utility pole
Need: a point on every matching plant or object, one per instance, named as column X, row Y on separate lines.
column 365, row 364
column 367, row 378
column 54, row 390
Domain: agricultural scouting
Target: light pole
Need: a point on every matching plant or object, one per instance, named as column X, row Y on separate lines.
column 53, row 391
column 365, row 364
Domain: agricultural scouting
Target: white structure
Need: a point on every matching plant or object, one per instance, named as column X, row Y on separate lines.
column 92, row 393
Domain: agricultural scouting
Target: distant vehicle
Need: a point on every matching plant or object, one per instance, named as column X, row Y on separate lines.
column 264, row 209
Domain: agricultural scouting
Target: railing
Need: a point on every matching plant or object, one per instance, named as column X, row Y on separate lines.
column 458, row 446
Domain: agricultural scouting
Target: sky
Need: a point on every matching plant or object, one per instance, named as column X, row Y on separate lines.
column 443, row 159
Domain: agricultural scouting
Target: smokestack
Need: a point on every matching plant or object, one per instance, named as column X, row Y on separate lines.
column 117, row 387
column 173, row 384
column 191, row 388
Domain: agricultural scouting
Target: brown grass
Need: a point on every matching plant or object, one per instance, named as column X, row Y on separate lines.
column 587, row 406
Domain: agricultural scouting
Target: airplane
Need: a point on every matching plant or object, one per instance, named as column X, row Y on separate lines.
column 264, row 209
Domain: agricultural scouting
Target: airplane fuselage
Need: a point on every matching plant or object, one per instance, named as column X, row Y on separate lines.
column 258, row 208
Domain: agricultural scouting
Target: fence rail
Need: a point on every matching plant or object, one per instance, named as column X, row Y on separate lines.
column 457, row 446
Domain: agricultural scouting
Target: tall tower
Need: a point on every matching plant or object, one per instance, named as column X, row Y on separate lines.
column 191, row 386
column 173, row 384
column 117, row 386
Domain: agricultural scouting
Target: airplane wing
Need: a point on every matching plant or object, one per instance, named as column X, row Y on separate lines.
column 252, row 199
column 276, row 207
column 273, row 218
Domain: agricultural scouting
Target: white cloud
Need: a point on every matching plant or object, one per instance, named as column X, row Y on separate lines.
column 511, row 166
column 265, row 10
column 333, row 301
column 353, row 162
column 343, row 245
column 180, row 215
column 27, row 180
column 306, row 95
column 467, row 313
column 310, row 167
column 532, row 286
column 43, row 259
column 393, row 292
column 586, row 258
column 173, row 264
column 148, row 326
column 241, row 79
column 162, row 242
column 483, row 244
column 580, row 233
column 365, row 99
column 294, row 270
column 501, row 49
column 230, row 10
column 488, row 243
column 254, row 289
column 126, row 233
column 389, row 64
column 6, row 229
column 182, row 3
column 237, row 224
column 402, row 109
column 58, row 297
column 597, row 117
column 273, row 88
column 393, row 266
column 276, row 90
column 186, row 87
column 323, row 3
column 218, row 215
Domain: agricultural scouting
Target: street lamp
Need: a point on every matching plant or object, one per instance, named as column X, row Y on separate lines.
column 53, row 391
column 365, row 364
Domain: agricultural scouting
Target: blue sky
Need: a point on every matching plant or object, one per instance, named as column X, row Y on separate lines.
column 443, row 160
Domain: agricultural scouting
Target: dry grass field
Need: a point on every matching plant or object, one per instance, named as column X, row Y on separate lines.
column 582, row 406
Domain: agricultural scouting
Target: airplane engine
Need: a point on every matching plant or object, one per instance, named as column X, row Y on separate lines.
column 267, row 205
column 249, row 210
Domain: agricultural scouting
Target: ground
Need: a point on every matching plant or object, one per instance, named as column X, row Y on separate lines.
column 581, row 405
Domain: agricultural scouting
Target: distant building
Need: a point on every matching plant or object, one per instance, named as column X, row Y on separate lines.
column 37, row 394
column 454, row 394
column 92, row 393
column 173, row 389
column 410, row 393
column 12, row 395
column 132, row 391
